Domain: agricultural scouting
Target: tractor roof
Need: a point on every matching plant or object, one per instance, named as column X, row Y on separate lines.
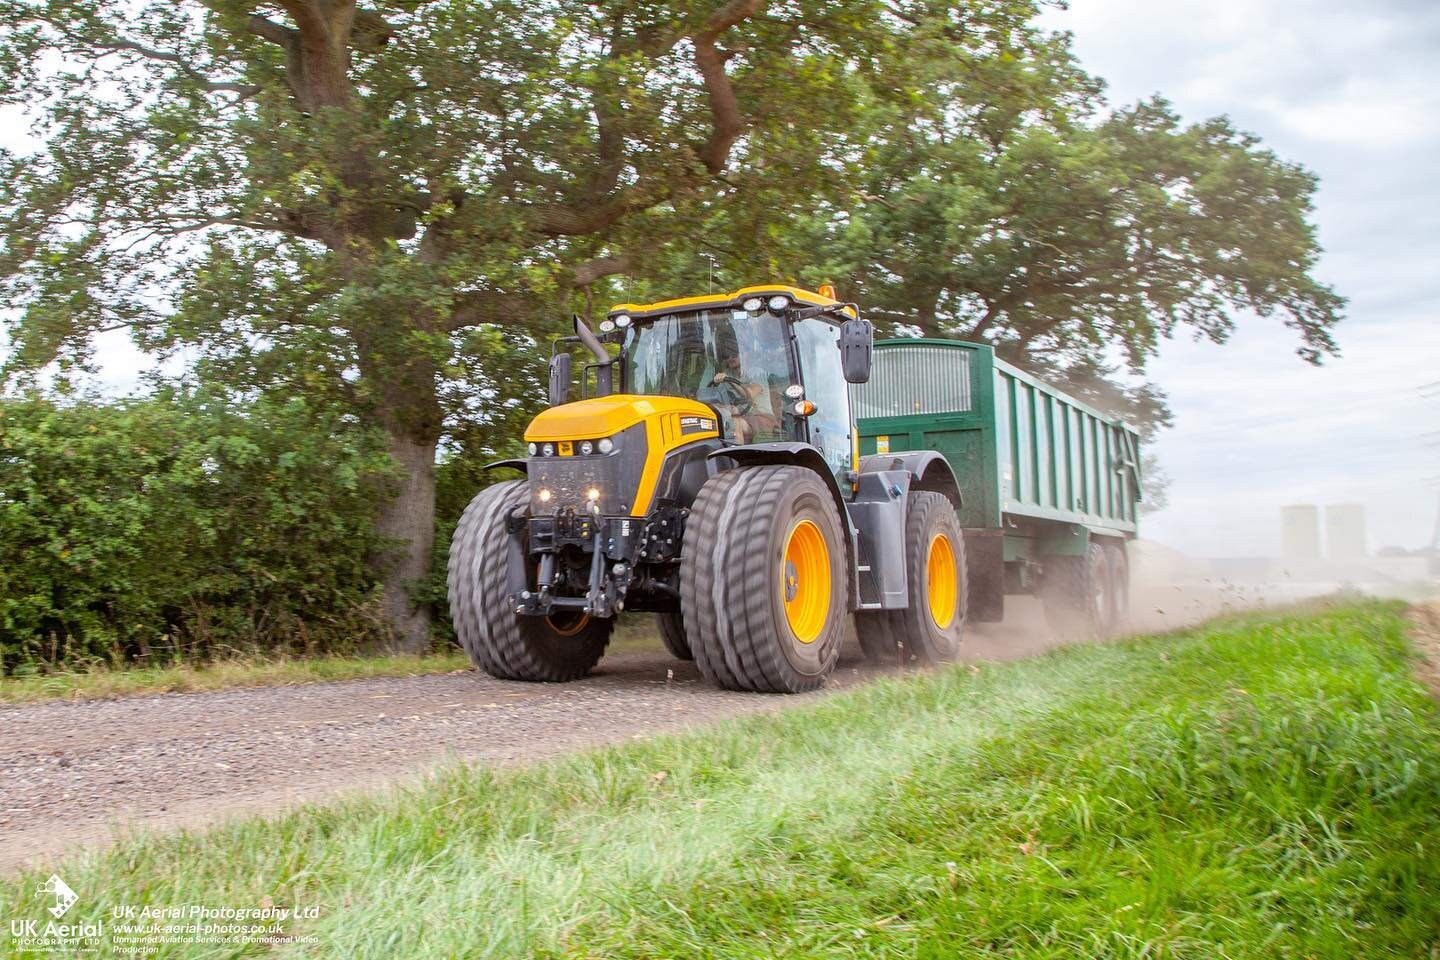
column 799, row 295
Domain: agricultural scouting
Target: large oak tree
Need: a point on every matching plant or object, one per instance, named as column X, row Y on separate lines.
column 385, row 203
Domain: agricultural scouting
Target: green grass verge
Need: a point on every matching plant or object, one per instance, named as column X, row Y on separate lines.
column 102, row 682
column 1262, row 786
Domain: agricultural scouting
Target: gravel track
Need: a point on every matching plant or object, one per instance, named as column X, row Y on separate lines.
column 77, row 774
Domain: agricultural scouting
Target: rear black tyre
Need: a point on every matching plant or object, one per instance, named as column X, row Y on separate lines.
column 931, row 629
column 557, row 648
column 1077, row 594
column 672, row 634
column 764, row 580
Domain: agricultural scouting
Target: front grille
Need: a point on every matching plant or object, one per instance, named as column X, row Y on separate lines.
column 616, row 475
column 567, row 479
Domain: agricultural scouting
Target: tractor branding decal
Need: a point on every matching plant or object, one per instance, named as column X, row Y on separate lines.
column 696, row 425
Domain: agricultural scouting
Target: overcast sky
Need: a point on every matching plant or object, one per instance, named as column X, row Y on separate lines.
column 1351, row 90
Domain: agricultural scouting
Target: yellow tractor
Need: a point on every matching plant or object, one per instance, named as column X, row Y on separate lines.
column 712, row 479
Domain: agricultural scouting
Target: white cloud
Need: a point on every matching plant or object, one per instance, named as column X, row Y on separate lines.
column 1352, row 91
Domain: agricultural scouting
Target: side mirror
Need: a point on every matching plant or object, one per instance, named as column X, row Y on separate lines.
column 559, row 379
column 856, row 337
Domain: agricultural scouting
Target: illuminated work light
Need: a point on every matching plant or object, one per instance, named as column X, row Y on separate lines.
column 544, row 495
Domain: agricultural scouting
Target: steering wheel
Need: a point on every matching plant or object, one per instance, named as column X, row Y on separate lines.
column 732, row 392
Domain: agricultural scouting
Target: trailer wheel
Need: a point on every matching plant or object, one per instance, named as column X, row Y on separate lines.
column 931, row 629
column 1076, row 592
column 556, row 648
column 1119, row 586
column 672, row 634
column 764, row 582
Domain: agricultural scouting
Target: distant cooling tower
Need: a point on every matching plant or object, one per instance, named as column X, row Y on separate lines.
column 1300, row 532
column 1345, row 531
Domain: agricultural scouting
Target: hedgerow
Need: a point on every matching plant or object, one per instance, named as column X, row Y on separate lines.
column 186, row 524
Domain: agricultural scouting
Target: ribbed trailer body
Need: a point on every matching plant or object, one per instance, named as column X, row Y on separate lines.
column 1040, row 473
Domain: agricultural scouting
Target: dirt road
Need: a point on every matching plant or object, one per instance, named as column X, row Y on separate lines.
column 73, row 774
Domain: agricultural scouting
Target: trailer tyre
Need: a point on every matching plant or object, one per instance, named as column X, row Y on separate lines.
column 764, row 581
column 1077, row 592
column 554, row 649
column 672, row 634
column 1119, row 585
column 931, row 629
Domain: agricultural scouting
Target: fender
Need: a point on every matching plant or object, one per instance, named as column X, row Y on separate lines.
column 929, row 468
column 786, row 452
column 506, row 464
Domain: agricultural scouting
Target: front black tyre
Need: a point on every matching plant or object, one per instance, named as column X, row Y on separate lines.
column 931, row 628
column 764, row 580
column 672, row 634
column 505, row 645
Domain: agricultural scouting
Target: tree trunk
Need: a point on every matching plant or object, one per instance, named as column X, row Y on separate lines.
column 409, row 518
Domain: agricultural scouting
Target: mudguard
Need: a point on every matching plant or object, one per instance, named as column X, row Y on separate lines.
column 930, row 469
column 785, row 452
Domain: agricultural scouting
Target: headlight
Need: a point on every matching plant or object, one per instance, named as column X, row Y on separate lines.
column 586, row 448
column 606, row 445
column 779, row 302
column 753, row 305
column 544, row 495
column 548, row 450
column 592, row 494
column 533, row 448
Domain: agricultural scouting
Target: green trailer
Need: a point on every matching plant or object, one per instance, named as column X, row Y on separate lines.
column 1049, row 487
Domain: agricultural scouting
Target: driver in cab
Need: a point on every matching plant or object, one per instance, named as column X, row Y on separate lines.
column 752, row 407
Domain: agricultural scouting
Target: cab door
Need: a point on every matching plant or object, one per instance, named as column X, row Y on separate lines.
column 830, row 427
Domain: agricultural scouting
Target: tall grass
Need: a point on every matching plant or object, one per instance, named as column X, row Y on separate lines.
column 1265, row 786
column 100, row 681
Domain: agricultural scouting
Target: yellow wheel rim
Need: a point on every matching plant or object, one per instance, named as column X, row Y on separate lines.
column 942, row 586
column 568, row 625
column 805, row 578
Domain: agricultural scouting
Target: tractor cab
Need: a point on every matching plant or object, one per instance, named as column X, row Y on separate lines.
column 764, row 359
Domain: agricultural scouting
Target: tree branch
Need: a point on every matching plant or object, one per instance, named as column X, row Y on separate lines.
column 728, row 122
column 584, row 274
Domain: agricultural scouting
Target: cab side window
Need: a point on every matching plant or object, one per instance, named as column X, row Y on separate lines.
column 817, row 344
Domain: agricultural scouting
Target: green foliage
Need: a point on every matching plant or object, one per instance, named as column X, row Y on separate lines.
column 182, row 526
column 389, row 208
column 1262, row 787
